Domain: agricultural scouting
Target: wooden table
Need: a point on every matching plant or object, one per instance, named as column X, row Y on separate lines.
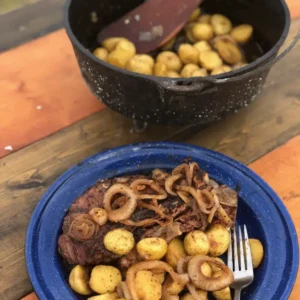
column 50, row 121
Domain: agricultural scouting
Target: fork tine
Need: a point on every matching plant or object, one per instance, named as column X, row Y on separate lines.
column 248, row 251
column 229, row 254
column 235, row 252
column 242, row 256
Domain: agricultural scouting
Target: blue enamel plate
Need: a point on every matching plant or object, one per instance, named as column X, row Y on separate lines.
column 259, row 208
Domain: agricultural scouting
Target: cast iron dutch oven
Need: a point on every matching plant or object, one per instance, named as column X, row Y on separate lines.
column 176, row 101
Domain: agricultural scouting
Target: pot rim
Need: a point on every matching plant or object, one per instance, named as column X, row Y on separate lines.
column 233, row 75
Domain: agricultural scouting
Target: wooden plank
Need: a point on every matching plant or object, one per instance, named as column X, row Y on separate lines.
column 280, row 169
column 32, row 102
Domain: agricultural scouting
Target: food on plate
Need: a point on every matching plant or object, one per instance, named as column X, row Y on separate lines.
column 155, row 241
column 242, row 33
column 170, row 59
column 105, row 279
column 119, row 241
column 188, row 70
column 188, row 54
column 152, row 248
column 210, row 60
column 78, row 280
column 219, row 239
column 203, row 32
column 257, row 252
column 221, row 24
column 101, row 53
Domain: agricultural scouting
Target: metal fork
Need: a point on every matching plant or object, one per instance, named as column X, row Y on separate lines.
column 239, row 260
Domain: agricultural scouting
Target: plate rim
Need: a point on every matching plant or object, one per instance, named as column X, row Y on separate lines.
column 62, row 179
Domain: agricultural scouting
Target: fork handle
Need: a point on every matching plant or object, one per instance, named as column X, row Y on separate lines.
column 237, row 294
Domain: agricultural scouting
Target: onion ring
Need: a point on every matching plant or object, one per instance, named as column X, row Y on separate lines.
column 214, row 209
column 206, row 283
column 170, row 182
column 211, row 201
column 127, row 209
column 158, row 174
column 162, row 194
column 184, row 196
column 184, row 169
column 150, row 265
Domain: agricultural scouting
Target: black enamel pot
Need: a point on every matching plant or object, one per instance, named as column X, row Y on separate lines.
column 176, row 101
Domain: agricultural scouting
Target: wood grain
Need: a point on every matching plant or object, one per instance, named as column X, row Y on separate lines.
column 280, row 169
column 37, row 101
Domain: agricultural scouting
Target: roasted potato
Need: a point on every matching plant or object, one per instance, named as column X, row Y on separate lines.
column 206, row 270
column 173, row 287
column 78, row 280
column 99, row 215
column 188, row 54
column 221, row 24
column 202, row 46
column 101, row 53
column 242, row 33
column 147, row 286
column 196, row 243
column 219, row 239
column 160, row 277
column 169, row 45
column 204, row 19
column 214, row 268
column 123, row 51
column 104, row 279
column 175, row 252
column 170, row 59
column 257, row 252
column 203, row 32
column 152, row 248
column 223, row 294
column 189, row 36
column 210, row 60
column 173, row 74
column 202, row 295
column 229, row 51
column 119, row 241
column 221, row 70
column 195, row 14
column 108, row 296
column 141, row 63
column 199, row 73
column 110, row 43
column 160, row 69
column 188, row 70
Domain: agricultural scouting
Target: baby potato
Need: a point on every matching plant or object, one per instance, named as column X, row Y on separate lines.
column 221, row 24
column 196, row 243
column 203, row 32
column 141, row 63
column 195, row 14
column 170, row 59
column 190, row 37
column 188, row 70
column 160, row 277
column 257, row 252
column 202, row 295
column 229, row 52
column 204, row 19
column 152, row 248
column 221, row 70
column 175, row 252
column 110, row 43
column 173, row 74
column 147, row 286
column 242, row 33
column 173, row 287
column 99, row 215
column 104, row 279
column 101, row 53
column 169, row 45
column 223, row 294
column 188, row 54
column 206, row 270
column 214, row 268
column 113, row 296
column 219, row 239
column 78, row 280
column 119, row 241
column 123, row 51
column 202, row 46
column 200, row 73
column 210, row 60
column 160, row 69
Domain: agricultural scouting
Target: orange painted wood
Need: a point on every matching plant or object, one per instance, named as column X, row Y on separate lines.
column 294, row 6
column 41, row 91
column 280, row 169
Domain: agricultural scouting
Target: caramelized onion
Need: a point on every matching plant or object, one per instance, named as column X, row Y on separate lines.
column 83, row 228
column 184, row 169
column 127, row 209
column 214, row 209
column 150, row 265
column 209, row 197
column 184, row 196
column 159, row 175
column 192, row 289
column 207, row 283
column 224, row 216
column 162, row 194
column 170, row 182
